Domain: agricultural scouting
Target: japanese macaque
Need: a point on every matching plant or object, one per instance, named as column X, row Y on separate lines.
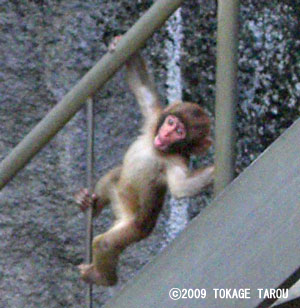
column 155, row 162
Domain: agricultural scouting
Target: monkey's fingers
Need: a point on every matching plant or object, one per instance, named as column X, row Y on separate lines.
column 112, row 46
column 84, row 268
column 83, row 199
column 81, row 194
column 83, row 207
column 85, row 204
column 209, row 174
column 80, row 200
column 94, row 197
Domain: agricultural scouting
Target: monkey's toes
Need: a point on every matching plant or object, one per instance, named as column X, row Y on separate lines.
column 89, row 274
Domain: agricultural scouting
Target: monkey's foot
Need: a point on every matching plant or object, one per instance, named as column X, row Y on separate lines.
column 90, row 274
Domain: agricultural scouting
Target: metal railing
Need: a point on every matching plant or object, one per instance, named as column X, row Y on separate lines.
column 55, row 120
column 226, row 98
column 134, row 39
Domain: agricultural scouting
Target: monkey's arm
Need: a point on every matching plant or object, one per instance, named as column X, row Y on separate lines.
column 140, row 82
column 142, row 85
column 185, row 183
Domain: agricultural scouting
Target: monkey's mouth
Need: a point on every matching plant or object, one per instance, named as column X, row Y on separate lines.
column 160, row 144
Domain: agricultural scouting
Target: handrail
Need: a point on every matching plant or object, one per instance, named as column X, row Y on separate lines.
column 55, row 120
column 226, row 92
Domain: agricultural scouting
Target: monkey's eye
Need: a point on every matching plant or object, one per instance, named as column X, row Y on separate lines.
column 170, row 121
column 179, row 131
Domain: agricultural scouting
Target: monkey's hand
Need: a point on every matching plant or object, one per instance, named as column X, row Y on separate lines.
column 85, row 200
column 113, row 44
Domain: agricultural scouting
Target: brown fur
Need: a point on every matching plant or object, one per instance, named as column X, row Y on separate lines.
column 197, row 124
column 137, row 188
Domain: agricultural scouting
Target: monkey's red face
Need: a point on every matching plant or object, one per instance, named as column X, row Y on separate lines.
column 171, row 131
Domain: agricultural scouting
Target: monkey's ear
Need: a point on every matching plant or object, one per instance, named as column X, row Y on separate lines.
column 202, row 147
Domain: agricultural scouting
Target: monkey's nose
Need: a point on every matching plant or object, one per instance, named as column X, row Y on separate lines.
column 168, row 133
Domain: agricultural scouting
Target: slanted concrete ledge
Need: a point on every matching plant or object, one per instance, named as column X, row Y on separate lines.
column 248, row 238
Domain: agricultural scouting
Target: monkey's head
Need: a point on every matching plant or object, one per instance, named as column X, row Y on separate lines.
column 183, row 128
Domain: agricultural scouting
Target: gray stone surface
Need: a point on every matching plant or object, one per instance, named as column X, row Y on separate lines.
column 45, row 47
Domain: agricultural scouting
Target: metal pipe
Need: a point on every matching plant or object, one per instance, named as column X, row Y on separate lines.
column 90, row 186
column 45, row 130
column 226, row 92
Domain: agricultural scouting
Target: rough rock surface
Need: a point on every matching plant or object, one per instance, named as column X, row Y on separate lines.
column 45, row 47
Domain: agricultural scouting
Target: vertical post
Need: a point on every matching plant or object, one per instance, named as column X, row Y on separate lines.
column 226, row 91
column 89, row 212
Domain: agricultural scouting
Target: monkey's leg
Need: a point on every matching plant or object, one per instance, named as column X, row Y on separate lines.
column 103, row 188
column 106, row 250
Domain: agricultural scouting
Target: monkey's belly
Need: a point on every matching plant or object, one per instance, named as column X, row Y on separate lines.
column 141, row 185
